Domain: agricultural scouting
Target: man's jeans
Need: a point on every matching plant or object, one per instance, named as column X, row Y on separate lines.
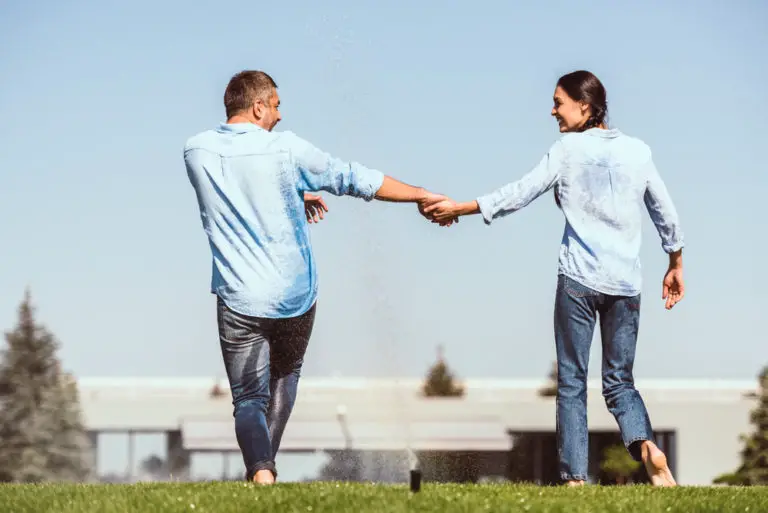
column 576, row 312
column 263, row 359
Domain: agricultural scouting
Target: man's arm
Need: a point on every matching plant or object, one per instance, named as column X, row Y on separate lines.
column 319, row 171
column 398, row 192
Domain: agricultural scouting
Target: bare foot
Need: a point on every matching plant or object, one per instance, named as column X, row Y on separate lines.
column 575, row 483
column 656, row 465
column 265, row 477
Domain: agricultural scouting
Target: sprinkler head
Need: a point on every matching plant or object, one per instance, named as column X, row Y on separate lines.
column 415, row 480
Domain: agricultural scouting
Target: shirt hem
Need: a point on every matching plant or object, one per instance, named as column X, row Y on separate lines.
column 235, row 306
column 601, row 287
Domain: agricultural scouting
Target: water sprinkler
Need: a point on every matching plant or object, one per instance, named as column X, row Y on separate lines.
column 415, row 470
column 415, row 480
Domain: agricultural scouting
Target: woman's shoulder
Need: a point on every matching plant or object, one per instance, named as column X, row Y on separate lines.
column 596, row 138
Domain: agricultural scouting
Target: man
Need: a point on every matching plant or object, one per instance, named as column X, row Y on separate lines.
column 252, row 188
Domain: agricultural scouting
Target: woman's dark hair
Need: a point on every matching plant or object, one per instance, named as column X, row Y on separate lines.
column 583, row 86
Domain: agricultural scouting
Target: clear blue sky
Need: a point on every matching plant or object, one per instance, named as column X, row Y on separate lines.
column 97, row 100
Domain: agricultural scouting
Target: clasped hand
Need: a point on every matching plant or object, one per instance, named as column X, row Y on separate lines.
column 439, row 209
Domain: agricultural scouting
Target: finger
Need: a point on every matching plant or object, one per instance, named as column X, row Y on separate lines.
column 664, row 291
column 321, row 201
column 435, row 198
column 673, row 299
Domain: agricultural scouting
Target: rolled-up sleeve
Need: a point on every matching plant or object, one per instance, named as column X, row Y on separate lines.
column 319, row 171
column 518, row 194
column 662, row 210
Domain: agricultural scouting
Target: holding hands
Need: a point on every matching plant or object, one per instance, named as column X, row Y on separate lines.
column 443, row 210
column 429, row 205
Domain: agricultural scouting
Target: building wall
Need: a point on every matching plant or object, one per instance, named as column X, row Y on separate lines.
column 389, row 415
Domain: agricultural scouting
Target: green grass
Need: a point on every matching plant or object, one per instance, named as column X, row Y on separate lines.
column 345, row 497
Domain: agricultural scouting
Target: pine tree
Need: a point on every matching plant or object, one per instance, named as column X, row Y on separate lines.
column 440, row 381
column 71, row 450
column 754, row 456
column 38, row 414
column 618, row 463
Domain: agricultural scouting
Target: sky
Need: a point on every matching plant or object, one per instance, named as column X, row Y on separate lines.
column 101, row 223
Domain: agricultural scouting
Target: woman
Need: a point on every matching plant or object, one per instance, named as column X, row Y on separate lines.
column 601, row 178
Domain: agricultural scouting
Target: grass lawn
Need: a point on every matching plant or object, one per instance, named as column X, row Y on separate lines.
column 347, row 497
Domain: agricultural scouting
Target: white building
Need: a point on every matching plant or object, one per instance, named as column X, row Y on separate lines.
column 698, row 422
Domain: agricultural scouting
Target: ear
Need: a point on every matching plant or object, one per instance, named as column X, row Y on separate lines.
column 258, row 109
column 584, row 107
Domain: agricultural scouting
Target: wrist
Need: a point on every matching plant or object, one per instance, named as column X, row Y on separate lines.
column 467, row 208
column 676, row 259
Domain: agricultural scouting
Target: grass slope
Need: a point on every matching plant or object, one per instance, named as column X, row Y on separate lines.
column 347, row 497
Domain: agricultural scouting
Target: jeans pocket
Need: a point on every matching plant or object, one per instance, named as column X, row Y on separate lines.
column 633, row 303
column 577, row 290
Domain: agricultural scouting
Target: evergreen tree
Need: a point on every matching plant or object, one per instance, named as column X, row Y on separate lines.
column 618, row 463
column 71, row 450
column 39, row 422
column 754, row 455
column 440, row 380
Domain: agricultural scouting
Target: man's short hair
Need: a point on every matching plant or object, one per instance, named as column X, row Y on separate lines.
column 245, row 88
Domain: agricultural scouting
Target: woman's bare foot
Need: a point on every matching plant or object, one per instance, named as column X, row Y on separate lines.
column 574, row 483
column 656, row 465
column 264, row 477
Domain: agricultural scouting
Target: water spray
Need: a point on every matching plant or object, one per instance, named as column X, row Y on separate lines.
column 341, row 416
column 415, row 471
column 384, row 317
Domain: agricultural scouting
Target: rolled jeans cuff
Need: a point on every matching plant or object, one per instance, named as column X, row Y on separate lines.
column 261, row 465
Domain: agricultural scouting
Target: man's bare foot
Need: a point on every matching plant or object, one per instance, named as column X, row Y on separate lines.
column 574, row 483
column 656, row 465
column 265, row 477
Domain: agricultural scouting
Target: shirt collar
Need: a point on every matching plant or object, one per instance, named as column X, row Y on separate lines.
column 238, row 128
column 610, row 133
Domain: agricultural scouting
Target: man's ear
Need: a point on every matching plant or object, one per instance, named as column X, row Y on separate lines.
column 257, row 109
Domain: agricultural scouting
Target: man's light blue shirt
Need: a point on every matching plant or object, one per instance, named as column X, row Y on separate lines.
column 603, row 179
column 250, row 186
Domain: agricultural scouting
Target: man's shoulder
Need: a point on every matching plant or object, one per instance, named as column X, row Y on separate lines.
column 288, row 138
column 200, row 141
column 212, row 141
